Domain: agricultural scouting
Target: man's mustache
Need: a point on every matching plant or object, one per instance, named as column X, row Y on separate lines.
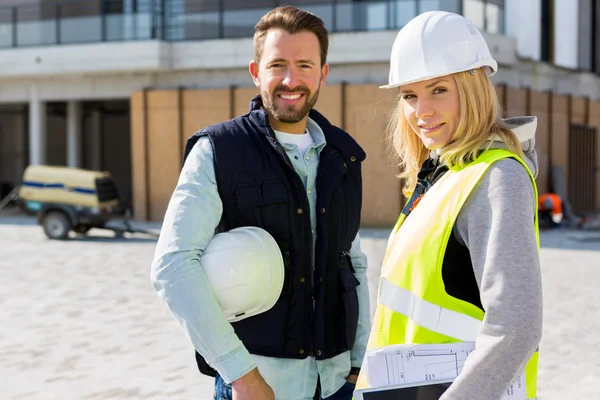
column 298, row 89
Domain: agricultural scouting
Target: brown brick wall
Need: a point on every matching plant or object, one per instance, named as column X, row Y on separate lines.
column 164, row 153
column 594, row 120
column 516, row 102
column 242, row 97
column 330, row 103
column 579, row 108
column 204, row 107
column 500, row 92
column 366, row 120
column 539, row 102
column 139, row 168
column 364, row 110
column 560, row 134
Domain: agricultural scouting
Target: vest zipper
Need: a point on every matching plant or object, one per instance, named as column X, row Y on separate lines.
column 306, row 206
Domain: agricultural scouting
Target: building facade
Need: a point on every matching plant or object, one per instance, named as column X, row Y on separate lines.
column 119, row 84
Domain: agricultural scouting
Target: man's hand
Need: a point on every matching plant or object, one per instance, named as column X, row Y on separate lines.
column 352, row 379
column 252, row 386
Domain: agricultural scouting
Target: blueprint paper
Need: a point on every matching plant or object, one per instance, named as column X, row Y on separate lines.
column 401, row 364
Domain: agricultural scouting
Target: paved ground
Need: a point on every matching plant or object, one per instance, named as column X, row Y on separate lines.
column 80, row 320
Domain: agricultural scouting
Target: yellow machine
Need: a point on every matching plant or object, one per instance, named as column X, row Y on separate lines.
column 66, row 199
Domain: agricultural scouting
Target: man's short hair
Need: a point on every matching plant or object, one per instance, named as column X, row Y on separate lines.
column 292, row 20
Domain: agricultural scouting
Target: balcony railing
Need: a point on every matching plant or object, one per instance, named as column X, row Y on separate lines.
column 86, row 21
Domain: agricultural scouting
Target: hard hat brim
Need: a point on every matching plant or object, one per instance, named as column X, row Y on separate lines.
column 491, row 70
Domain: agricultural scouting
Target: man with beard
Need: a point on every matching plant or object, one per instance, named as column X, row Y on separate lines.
column 284, row 168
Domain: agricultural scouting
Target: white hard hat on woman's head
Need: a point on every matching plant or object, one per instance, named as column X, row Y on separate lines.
column 434, row 44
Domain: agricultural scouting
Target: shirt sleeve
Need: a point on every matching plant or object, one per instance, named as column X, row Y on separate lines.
column 359, row 263
column 497, row 225
column 192, row 215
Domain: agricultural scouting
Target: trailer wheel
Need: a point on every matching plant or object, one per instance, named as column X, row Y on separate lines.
column 56, row 225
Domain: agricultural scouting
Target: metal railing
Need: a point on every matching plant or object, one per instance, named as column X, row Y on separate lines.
column 86, row 21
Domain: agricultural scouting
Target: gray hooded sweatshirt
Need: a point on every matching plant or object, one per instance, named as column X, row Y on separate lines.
column 497, row 226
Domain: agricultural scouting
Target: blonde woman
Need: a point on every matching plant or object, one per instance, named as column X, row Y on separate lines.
column 462, row 263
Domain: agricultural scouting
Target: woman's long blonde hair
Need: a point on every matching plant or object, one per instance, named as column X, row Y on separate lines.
column 480, row 121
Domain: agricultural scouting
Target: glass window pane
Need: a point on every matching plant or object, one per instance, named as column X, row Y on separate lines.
column 493, row 15
column 81, row 30
column 429, row 5
column 449, row 5
column 362, row 16
column 203, row 25
column 6, row 37
column 405, row 11
column 135, row 26
column 473, row 11
column 240, row 23
column 325, row 12
column 343, row 17
column 115, row 27
column 376, row 14
column 34, row 33
column 6, row 27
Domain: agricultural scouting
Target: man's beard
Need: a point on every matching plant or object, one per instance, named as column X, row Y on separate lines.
column 289, row 114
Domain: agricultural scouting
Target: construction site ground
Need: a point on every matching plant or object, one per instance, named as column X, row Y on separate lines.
column 81, row 320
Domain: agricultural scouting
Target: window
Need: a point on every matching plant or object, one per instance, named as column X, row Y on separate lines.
column 487, row 15
column 547, row 34
column 586, row 35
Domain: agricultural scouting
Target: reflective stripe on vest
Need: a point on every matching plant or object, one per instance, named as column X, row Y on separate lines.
column 428, row 315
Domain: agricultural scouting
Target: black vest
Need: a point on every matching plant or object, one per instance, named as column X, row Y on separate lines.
column 317, row 312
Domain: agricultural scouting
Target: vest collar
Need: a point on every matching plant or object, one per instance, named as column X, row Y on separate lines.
column 334, row 136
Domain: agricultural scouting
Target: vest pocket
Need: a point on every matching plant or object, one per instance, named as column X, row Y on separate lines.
column 264, row 204
column 248, row 195
column 349, row 315
column 288, row 271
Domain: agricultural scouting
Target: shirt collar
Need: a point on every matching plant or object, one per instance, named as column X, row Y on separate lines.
column 317, row 135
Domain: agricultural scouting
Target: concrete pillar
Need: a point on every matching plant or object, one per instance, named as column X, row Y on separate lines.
column 96, row 140
column 74, row 134
column 37, row 128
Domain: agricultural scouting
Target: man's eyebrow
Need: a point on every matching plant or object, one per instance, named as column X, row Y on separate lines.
column 283, row 60
column 426, row 87
column 277, row 60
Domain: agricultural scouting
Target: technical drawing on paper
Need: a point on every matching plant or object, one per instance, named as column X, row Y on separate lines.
column 402, row 364
column 395, row 365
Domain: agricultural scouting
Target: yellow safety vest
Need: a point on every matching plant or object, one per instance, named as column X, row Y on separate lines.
column 413, row 306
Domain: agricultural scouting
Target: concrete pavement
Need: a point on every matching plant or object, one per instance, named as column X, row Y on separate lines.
column 80, row 320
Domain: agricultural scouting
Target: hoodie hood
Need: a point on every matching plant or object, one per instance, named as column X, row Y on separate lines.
column 524, row 129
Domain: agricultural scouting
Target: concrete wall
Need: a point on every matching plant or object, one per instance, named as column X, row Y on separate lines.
column 158, row 56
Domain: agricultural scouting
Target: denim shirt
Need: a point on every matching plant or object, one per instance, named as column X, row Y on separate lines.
column 193, row 213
